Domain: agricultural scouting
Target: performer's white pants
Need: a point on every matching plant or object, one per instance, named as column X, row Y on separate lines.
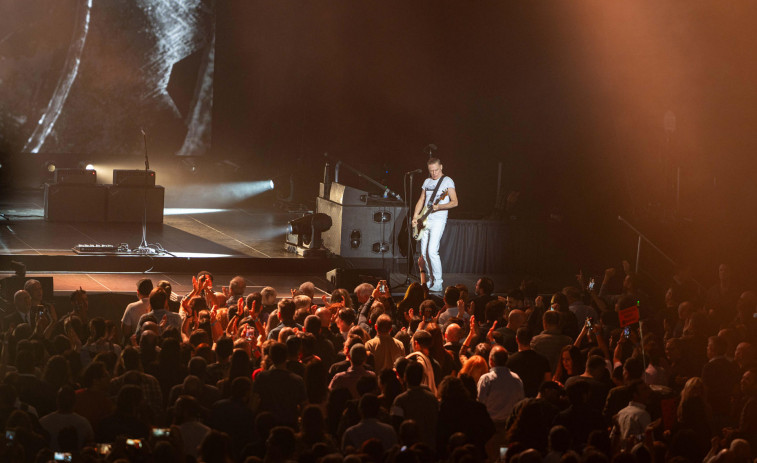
column 430, row 252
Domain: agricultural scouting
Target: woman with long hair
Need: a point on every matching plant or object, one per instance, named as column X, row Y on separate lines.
column 413, row 297
column 571, row 364
column 693, row 411
column 438, row 352
column 390, row 386
column 239, row 366
column 313, row 431
column 458, row 412
column 694, row 414
column 474, row 367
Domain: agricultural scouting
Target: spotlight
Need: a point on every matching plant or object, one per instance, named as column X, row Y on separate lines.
column 271, row 184
column 307, row 230
column 190, row 165
column 89, row 167
column 50, row 166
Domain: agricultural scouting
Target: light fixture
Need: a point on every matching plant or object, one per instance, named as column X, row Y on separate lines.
column 308, row 229
column 190, row 165
column 50, row 166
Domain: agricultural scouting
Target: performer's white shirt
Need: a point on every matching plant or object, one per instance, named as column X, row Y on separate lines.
column 428, row 186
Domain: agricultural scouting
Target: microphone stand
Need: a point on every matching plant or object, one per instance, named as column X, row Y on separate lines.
column 144, row 248
column 387, row 192
column 409, row 220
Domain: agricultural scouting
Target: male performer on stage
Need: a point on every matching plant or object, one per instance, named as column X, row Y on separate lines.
column 433, row 188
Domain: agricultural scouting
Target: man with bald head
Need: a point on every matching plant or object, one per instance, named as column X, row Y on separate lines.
column 22, row 303
column 515, row 320
column 383, row 346
column 499, row 389
column 34, row 288
column 452, row 336
column 235, row 291
column 745, row 356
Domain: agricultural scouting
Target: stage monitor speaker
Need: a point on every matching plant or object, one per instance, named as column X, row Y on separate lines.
column 14, row 283
column 349, row 278
column 346, row 195
column 369, row 231
column 126, row 203
column 126, row 177
column 75, row 203
column 75, row 176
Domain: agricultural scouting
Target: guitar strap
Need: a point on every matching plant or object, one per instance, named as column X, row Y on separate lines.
column 433, row 195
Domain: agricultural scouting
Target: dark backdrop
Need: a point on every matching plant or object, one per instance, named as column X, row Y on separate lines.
column 569, row 96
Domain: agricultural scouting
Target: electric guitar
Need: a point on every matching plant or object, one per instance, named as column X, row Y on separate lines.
column 420, row 227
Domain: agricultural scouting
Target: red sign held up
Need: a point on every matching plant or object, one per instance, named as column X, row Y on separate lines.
column 628, row 316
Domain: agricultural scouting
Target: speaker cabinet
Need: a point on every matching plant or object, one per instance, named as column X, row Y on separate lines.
column 75, row 203
column 368, row 231
column 126, row 203
column 349, row 278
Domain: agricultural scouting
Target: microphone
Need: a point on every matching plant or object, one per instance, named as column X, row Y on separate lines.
column 413, row 172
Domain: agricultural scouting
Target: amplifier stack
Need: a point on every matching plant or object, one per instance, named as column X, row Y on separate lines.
column 76, row 197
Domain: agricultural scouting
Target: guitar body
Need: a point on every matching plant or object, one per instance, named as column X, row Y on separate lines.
column 420, row 227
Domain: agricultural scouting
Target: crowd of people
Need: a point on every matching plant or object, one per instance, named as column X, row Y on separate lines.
column 581, row 375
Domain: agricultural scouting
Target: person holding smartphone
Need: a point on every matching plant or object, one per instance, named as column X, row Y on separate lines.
column 379, row 303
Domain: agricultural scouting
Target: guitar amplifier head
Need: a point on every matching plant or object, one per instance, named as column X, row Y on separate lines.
column 75, row 176
column 136, row 177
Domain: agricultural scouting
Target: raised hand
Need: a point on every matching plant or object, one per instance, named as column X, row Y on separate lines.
column 255, row 309
column 325, row 299
column 490, row 334
column 626, row 267
column 460, row 306
column 195, row 284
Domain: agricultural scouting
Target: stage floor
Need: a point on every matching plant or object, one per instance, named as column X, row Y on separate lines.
column 184, row 232
column 227, row 242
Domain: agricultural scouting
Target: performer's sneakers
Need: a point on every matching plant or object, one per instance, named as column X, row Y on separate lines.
column 436, row 288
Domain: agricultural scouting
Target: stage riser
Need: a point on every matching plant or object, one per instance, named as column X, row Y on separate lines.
column 83, row 263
